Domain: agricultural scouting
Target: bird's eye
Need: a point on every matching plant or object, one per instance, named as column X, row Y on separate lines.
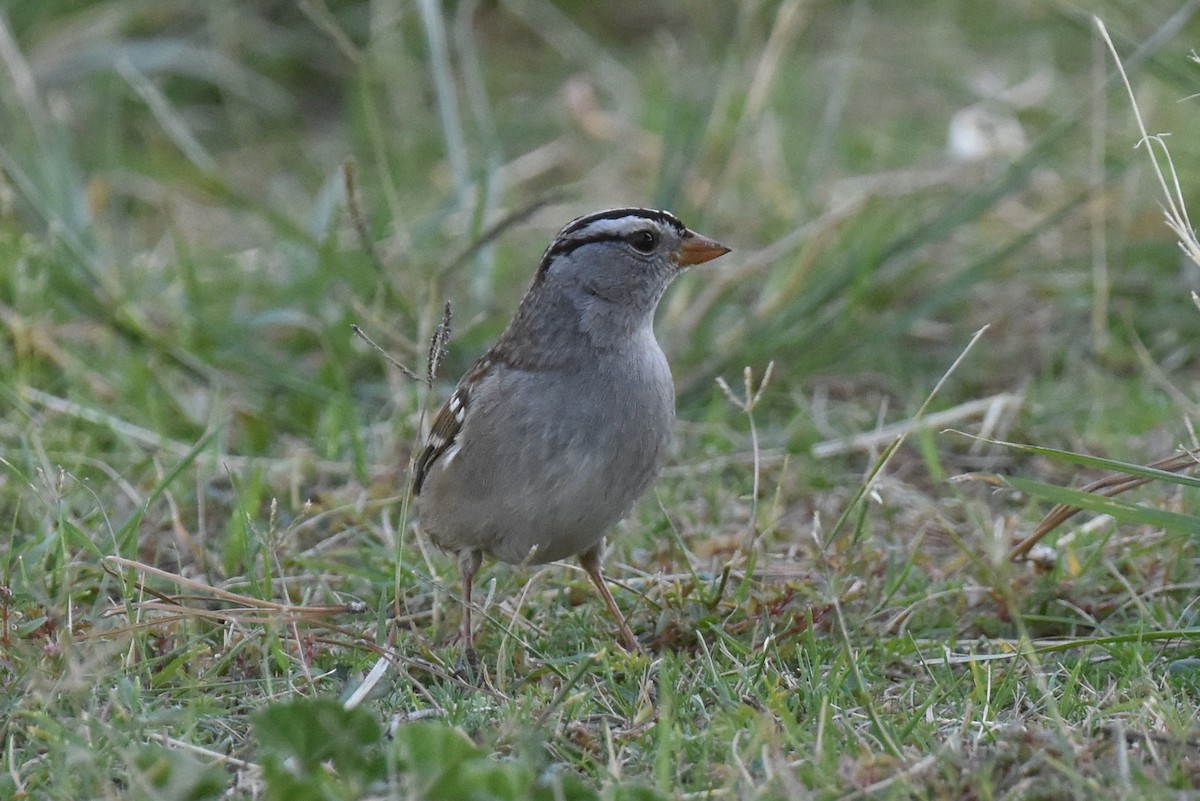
column 644, row 241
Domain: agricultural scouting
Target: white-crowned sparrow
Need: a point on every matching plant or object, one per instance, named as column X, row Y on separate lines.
column 562, row 425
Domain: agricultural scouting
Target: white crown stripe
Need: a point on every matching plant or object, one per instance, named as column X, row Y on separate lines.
column 616, row 221
column 619, row 227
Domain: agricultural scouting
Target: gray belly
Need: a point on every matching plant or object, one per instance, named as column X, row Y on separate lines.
column 571, row 463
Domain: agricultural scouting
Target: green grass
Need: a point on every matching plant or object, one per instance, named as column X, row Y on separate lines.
column 205, row 539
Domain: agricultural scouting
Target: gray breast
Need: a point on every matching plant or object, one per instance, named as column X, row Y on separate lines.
column 549, row 462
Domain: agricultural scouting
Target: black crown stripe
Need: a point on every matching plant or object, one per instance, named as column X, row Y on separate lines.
column 662, row 217
column 564, row 243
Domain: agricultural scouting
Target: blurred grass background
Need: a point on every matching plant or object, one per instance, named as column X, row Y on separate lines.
column 181, row 262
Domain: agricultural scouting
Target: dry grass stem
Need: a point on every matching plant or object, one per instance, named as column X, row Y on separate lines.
column 992, row 408
column 1175, row 209
column 1108, row 486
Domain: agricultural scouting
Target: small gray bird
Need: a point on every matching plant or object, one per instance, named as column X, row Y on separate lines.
column 562, row 425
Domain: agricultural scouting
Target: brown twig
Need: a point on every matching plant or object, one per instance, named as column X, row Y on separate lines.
column 502, row 225
column 437, row 345
column 243, row 603
column 356, row 217
column 358, row 332
column 1108, row 486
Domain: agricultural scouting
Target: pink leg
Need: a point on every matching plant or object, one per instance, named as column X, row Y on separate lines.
column 468, row 566
column 589, row 560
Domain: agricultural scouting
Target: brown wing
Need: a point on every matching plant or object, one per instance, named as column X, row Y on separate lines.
column 447, row 424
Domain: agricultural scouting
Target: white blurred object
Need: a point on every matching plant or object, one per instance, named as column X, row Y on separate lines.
column 980, row 132
column 990, row 127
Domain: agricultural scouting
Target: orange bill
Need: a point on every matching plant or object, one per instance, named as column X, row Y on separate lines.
column 697, row 249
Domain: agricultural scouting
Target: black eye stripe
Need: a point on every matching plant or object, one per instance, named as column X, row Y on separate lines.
column 569, row 237
column 563, row 247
